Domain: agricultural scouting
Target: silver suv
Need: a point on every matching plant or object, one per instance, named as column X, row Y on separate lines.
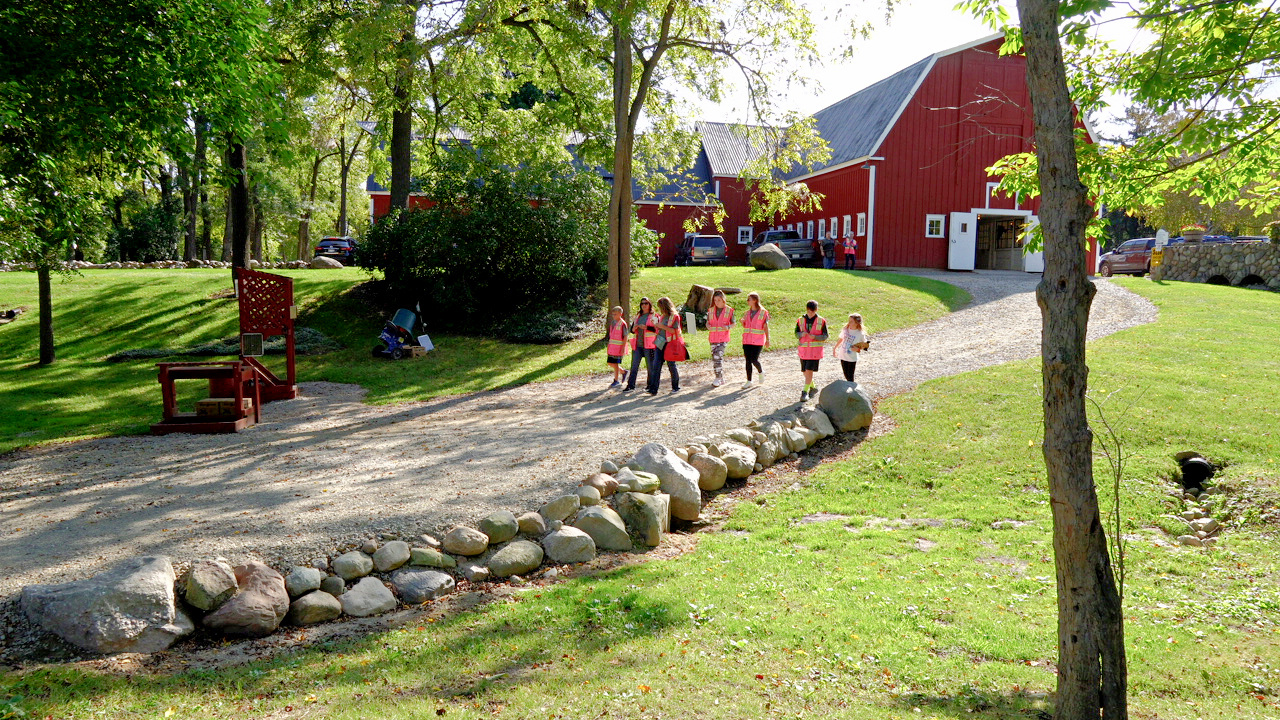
column 702, row 249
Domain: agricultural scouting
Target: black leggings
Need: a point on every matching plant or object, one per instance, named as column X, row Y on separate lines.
column 848, row 368
column 752, row 353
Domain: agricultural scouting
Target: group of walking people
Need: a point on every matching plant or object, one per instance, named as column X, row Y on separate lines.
column 657, row 338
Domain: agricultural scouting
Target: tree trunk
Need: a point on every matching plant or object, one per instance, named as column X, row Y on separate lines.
column 401, row 144
column 1092, row 675
column 187, row 181
column 237, row 163
column 45, row 299
column 620, row 198
column 228, row 243
column 256, row 221
column 304, row 219
column 199, row 197
column 348, row 158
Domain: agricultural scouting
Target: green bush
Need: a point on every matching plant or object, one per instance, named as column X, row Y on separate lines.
column 151, row 234
column 501, row 250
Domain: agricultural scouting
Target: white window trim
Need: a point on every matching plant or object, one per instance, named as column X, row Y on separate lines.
column 745, row 233
column 717, row 188
column 848, row 224
column 862, row 224
column 822, row 228
column 809, row 233
column 942, row 226
column 831, row 227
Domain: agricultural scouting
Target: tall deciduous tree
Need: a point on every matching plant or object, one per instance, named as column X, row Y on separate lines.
column 1092, row 674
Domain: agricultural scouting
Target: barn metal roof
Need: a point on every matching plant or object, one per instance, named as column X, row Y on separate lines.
column 728, row 147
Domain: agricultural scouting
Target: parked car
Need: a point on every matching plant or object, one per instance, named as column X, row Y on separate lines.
column 702, row 249
column 1132, row 256
column 342, row 249
column 789, row 242
column 1252, row 239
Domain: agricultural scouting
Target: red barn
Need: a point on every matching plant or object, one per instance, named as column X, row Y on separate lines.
column 907, row 173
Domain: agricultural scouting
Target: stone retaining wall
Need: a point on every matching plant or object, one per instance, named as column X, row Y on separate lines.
column 1225, row 264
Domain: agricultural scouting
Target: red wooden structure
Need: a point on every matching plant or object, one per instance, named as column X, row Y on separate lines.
column 237, row 388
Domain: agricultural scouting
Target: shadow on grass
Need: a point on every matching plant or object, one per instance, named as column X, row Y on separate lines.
column 970, row 702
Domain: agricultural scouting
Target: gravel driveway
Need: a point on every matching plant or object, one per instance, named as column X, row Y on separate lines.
column 325, row 469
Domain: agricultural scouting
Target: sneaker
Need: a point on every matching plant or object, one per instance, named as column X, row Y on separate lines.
column 615, row 385
column 804, row 395
column 761, row 374
column 675, row 390
column 747, row 385
column 717, row 382
column 813, row 391
column 629, row 388
column 652, row 392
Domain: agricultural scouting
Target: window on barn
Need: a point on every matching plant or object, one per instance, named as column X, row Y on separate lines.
column 809, row 234
column 833, row 226
column 848, row 224
column 935, row 226
column 822, row 228
column 862, row 224
column 744, row 234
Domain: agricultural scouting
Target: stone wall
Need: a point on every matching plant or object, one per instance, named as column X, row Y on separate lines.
column 1227, row 264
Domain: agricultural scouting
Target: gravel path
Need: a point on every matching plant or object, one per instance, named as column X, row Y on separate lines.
column 325, row 469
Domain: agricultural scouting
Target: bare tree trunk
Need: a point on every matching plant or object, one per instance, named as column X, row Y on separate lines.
column 187, row 181
column 401, row 144
column 348, row 158
column 237, row 163
column 1092, row 674
column 256, row 221
column 45, row 300
column 620, row 198
column 199, row 198
column 228, row 241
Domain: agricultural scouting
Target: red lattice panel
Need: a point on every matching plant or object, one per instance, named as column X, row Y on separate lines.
column 265, row 300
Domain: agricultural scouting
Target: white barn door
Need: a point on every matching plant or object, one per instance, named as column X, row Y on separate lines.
column 1033, row 262
column 963, row 245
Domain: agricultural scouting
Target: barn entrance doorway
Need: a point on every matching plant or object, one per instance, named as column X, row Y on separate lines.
column 985, row 239
column 998, row 245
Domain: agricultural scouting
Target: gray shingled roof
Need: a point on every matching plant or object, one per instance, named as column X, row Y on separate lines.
column 728, row 148
column 853, row 126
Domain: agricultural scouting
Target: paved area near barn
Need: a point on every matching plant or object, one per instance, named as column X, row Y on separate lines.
column 326, row 469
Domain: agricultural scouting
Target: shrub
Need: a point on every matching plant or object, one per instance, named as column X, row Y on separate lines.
column 500, row 250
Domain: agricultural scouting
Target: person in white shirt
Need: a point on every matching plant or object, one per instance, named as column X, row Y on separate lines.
column 853, row 340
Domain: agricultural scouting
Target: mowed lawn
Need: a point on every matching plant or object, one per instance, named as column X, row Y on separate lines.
column 902, row 602
column 100, row 313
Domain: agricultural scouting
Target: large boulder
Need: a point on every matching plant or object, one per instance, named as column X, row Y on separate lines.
column 517, row 558
column 605, row 527
column 560, row 508
column 418, row 586
column 847, row 404
column 532, row 523
column 208, row 584
column 679, row 479
column 352, row 565
column 325, row 263
column 796, row 441
column 257, row 608
column 637, row 481
column 769, row 257
column 817, row 421
column 430, row 557
column 569, row 545
column 392, row 555
column 368, row 597
column 462, row 540
column 648, row 516
column 129, row 608
column 769, row 453
column 712, row 471
column 739, row 459
column 314, row 607
column 500, row 526
column 302, row 580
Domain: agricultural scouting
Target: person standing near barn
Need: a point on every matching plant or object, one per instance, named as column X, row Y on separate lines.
column 829, row 249
column 617, row 345
column 755, row 336
column 643, row 344
column 850, row 250
column 719, row 320
column 811, row 332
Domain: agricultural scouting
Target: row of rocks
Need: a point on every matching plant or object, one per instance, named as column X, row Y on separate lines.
column 141, row 606
column 1203, row 528
column 1233, row 263
column 319, row 263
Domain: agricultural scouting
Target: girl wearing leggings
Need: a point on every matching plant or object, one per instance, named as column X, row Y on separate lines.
column 755, row 336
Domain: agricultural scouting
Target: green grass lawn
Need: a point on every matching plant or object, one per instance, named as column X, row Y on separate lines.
column 101, row 313
column 776, row 617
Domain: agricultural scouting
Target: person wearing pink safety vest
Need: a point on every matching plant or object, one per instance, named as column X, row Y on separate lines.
column 617, row 345
column 644, row 331
column 850, row 251
column 811, row 332
column 755, row 336
column 668, row 325
column 719, row 320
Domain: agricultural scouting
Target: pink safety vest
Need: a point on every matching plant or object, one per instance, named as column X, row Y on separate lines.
column 650, row 338
column 753, row 327
column 617, row 339
column 718, row 325
column 810, row 349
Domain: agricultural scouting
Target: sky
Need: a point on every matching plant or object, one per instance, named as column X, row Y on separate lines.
column 917, row 29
